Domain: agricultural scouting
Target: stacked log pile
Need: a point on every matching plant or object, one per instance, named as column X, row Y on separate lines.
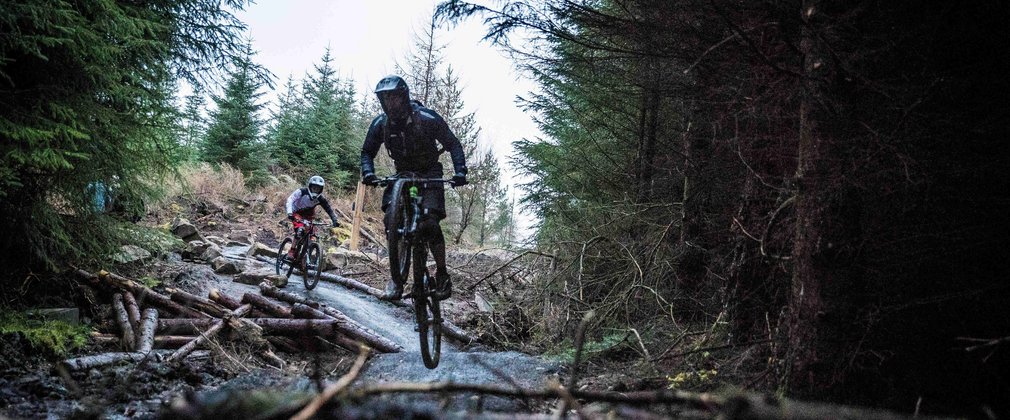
column 176, row 323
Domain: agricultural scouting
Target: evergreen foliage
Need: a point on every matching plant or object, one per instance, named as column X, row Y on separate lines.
column 86, row 106
column 315, row 130
column 233, row 136
column 800, row 169
column 193, row 125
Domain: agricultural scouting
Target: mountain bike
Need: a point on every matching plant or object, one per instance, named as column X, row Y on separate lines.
column 308, row 254
column 408, row 247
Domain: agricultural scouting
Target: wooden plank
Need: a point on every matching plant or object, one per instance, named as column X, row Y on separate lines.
column 359, row 201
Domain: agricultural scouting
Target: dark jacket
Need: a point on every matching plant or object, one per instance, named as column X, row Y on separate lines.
column 414, row 145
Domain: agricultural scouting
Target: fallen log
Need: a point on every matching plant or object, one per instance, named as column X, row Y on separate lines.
column 127, row 340
column 148, row 323
column 233, row 304
column 143, row 294
column 210, row 333
column 205, row 305
column 448, row 328
column 132, row 310
column 357, row 285
column 270, row 290
column 266, row 305
column 285, row 344
column 297, row 327
column 160, row 341
column 349, row 327
column 185, row 326
column 102, row 359
column 305, row 308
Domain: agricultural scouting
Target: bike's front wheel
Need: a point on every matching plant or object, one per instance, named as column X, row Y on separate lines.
column 282, row 255
column 313, row 266
column 399, row 245
column 428, row 315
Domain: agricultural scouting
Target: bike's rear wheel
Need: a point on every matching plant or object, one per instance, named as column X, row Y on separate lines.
column 282, row 255
column 427, row 313
column 399, row 246
column 313, row 265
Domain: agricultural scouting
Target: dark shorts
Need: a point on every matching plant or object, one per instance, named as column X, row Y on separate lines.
column 432, row 197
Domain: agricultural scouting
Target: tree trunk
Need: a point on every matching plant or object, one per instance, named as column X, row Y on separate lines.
column 160, row 341
column 143, row 294
column 267, row 305
column 233, row 304
column 128, row 340
column 132, row 310
column 270, row 290
column 98, row 360
column 210, row 333
column 199, row 303
column 349, row 327
column 811, row 360
column 148, row 323
column 187, row 326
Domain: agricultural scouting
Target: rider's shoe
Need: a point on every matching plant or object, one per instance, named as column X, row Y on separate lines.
column 443, row 288
column 393, row 291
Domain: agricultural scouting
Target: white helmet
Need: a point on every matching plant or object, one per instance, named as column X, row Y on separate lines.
column 315, row 186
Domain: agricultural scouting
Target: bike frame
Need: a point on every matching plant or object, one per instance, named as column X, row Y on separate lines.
column 426, row 304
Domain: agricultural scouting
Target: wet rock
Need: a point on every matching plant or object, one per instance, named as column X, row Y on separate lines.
column 278, row 280
column 217, row 240
column 342, row 257
column 131, row 253
column 223, row 265
column 234, row 243
column 195, row 276
column 243, row 236
column 212, row 253
column 254, row 277
column 184, row 229
column 259, row 249
column 198, row 247
column 172, row 257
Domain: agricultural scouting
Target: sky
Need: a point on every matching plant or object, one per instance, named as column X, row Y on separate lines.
column 368, row 37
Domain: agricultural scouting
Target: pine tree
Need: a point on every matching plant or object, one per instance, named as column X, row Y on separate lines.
column 327, row 130
column 314, row 129
column 284, row 133
column 193, row 125
column 84, row 88
column 233, row 136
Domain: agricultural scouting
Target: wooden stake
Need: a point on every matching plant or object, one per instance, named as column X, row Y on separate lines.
column 359, row 201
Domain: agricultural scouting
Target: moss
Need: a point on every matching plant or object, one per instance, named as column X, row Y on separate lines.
column 590, row 349
column 149, row 281
column 54, row 336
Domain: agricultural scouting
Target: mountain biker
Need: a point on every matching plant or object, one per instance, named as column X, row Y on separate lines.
column 301, row 206
column 412, row 134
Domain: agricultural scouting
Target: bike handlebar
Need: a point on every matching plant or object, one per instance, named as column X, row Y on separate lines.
column 391, row 179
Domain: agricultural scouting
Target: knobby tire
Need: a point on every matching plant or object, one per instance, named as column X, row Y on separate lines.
column 399, row 247
column 313, row 266
column 282, row 253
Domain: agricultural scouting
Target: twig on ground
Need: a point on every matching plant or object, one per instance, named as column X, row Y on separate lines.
column 313, row 406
